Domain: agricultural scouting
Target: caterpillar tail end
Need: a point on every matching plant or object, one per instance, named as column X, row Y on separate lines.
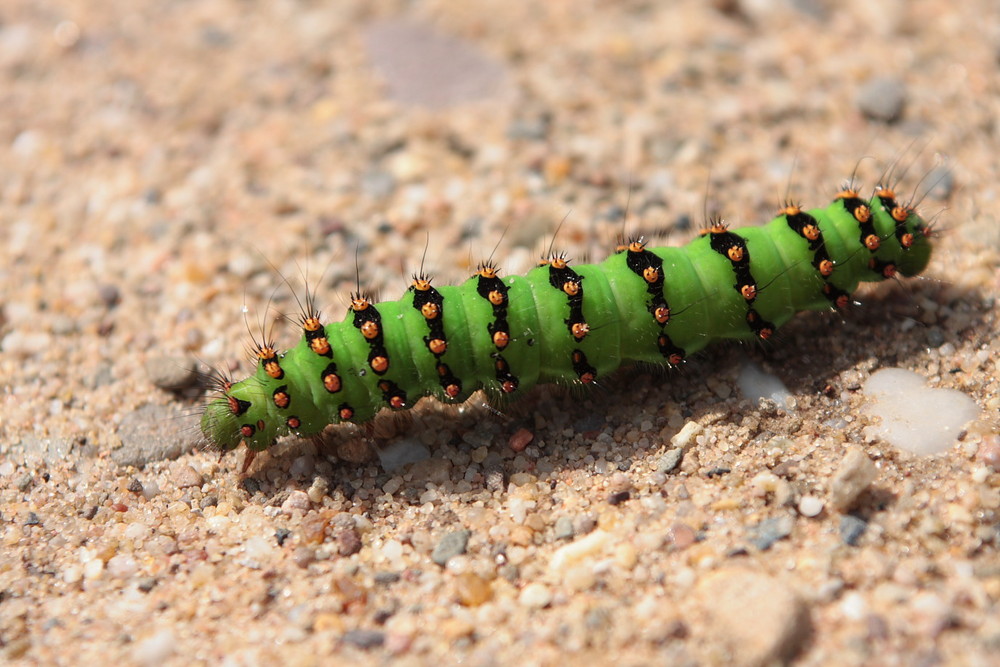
column 219, row 425
column 916, row 258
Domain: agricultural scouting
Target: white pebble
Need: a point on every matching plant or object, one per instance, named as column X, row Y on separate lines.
column 914, row 417
column 122, row 566
column 686, row 436
column 535, row 596
column 810, row 506
column 155, row 650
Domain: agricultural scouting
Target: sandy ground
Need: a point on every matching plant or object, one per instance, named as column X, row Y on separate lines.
column 164, row 163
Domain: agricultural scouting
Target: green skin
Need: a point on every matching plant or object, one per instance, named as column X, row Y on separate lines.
column 700, row 287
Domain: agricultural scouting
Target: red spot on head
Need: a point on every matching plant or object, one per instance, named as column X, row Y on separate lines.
column 346, row 414
column 676, row 358
column 452, row 390
column 293, row 422
column 247, row 430
column 508, row 386
column 586, row 378
column 397, row 402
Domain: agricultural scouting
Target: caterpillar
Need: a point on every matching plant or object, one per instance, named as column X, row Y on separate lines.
column 565, row 324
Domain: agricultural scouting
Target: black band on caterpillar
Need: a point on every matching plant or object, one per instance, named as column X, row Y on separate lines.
column 506, row 335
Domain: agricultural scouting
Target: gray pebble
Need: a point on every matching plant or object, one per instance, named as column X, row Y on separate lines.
column 851, row 529
column 33, row 450
column 172, row 373
column 364, row 638
column 882, row 98
column 154, row 433
column 669, row 461
column 110, row 295
column 452, row 544
column 531, row 129
column 564, row 528
column 378, row 184
column 767, row 532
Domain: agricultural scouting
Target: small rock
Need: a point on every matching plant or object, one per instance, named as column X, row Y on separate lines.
column 535, row 596
column 186, row 476
column 851, row 529
column 172, row 373
column 155, row 650
column 882, row 98
column 810, row 506
column 767, row 532
column 472, row 590
column 154, row 433
column 146, row 584
column 520, row 440
column 760, row 619
column 366, row 639
column 988, row 452
column 452, row 544
column 110, row 295
column 122, row 566
column 348, row 541
column 685, row 438
column 855, row 474
column 669, row 461
column 563, row 529
column 296, row 500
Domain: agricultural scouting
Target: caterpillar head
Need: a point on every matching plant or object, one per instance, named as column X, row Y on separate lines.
column 913, row 235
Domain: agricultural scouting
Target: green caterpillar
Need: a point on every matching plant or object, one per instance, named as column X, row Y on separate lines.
column 568, row 325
